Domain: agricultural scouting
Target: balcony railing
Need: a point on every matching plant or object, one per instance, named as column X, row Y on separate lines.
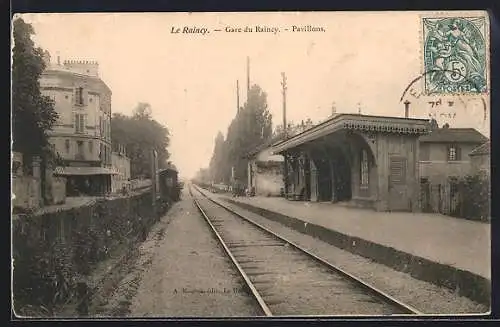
column 79, row 156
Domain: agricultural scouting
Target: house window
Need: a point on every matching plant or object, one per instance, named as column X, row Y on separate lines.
column 79, row 145
column 453, row 153
column 79, row 123
column 101, row 152
column 67, row 146
column 364, row 169
column 425, row 152
column 91, row 146
column 79, row 95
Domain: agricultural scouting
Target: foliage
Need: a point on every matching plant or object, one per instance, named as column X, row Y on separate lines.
column 251, row 127
column 475, row 197
column 140, row 134
column 293, row 128
column 46, row 266
column 43, row 272
column 31, row 111
column 218, row 165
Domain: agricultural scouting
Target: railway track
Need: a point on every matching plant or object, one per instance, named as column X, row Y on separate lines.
column 285, row 279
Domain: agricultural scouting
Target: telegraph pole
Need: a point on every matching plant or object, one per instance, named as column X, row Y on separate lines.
column 248, row 77
column 285, row 133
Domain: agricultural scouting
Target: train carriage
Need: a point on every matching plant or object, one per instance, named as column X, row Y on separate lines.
column 169, row 186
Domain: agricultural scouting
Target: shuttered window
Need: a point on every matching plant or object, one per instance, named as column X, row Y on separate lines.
column 79, row 96
column 397, row 170
column 453, row 153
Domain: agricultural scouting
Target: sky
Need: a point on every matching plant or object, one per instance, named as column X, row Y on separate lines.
column 361, row 62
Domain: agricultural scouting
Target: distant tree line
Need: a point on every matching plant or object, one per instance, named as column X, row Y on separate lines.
column 251, row 127
column 139, row 134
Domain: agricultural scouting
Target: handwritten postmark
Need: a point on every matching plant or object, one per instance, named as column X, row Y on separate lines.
column 444, row 105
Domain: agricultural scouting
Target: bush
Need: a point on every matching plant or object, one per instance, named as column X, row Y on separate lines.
column 47, row 266
column 43, row 274
column 475, row 197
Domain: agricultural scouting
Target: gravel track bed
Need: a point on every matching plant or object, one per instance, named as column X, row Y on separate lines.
column 290, row 282
column 182, row 271
column 424, row 296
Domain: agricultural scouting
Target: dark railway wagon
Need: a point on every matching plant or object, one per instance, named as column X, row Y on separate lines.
column 169, row 184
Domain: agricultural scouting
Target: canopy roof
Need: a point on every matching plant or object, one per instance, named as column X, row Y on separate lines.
column 365, row 123
column 83, row 171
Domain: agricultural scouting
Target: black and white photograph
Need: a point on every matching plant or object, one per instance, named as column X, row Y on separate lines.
column 250, row 164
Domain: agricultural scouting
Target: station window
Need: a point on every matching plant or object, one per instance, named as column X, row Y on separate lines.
column 364, row 173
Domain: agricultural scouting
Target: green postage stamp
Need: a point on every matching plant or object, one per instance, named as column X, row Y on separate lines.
column 455, row 55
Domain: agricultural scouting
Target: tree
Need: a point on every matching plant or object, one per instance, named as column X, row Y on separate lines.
column 293, row 128
column 251, row 127
column 33, row 114
column 217, row 164
column 140, row 134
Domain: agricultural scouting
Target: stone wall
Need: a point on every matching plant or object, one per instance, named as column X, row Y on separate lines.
column 25, row 193
column 58, row 190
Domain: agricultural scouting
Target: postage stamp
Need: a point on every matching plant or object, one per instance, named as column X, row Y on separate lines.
column 455, row 55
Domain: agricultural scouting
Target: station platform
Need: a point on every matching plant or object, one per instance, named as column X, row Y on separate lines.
column 452, row 252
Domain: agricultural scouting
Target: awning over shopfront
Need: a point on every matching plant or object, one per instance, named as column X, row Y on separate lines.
column 83, row 171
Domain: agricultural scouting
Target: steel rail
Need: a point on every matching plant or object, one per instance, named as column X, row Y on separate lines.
column 388, row 298
column 252, row 288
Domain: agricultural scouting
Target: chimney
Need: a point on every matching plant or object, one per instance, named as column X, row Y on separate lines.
column 407, row 108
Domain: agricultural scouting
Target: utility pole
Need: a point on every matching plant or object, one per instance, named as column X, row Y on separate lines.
column 285, row 133
column 248, row 77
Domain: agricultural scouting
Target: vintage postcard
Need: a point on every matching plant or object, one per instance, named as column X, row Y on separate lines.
column 251, row 164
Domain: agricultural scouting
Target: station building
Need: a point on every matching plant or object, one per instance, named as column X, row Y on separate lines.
column 365, row 161
column 265, row 171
